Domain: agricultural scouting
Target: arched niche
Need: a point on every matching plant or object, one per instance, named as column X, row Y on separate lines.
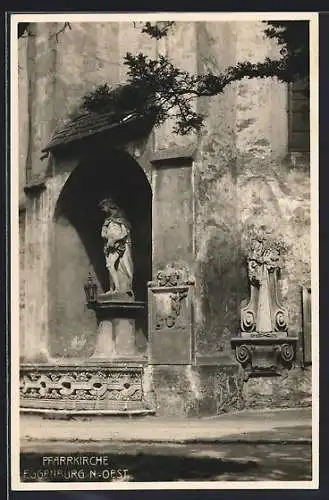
column 78, row 247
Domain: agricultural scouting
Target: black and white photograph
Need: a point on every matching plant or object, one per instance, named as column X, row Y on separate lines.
column 164, row 248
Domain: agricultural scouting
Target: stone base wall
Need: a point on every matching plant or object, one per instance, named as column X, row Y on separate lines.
column 200, row 391
column 172, row 391
column 195, row 391
column 290, row 391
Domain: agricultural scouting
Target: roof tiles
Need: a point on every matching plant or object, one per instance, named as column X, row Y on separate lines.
column 87, row 125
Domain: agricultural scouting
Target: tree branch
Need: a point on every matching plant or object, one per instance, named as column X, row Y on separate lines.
column 157, row 86
column 61, row 30
column 23, row 30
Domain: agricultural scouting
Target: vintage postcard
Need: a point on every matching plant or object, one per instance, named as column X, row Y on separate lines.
column 164, row 236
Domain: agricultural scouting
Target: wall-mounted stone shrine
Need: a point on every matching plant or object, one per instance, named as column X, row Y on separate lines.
column 264, row 346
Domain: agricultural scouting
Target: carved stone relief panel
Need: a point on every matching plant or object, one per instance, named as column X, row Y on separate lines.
column 91, row 387
column 170, row 317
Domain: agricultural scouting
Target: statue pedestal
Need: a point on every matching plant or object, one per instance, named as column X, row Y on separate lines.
column 110, row 382
column 264, row 347
column 105, row 344
column 116, row 326
column 124, row 335
column 263, row 354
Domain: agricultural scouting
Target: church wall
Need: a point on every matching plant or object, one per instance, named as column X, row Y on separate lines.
column 203, row 210
column 23, row 133
column 72, row 326
column 244, row 177
column 216, row 248
column 23, row 111
column 172, row 215
column 172, row 171
column 21, row 278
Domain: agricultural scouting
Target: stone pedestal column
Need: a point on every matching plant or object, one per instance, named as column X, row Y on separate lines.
column 105, row 344
column 116, row 328
column 115, row 339
column 124, row 335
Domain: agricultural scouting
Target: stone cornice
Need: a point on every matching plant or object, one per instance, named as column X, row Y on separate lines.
column 35, row 185
column 174, row 156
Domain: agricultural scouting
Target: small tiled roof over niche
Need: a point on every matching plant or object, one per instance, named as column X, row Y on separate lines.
column 87, row 123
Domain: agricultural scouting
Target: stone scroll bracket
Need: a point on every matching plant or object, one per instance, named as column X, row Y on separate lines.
column 264, row 347
column 264, row 356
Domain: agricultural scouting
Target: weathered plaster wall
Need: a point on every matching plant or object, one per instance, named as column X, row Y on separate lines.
column 180, row 46
column 86, row 56
column 172, row 182
column 172, row 215
column 244, row 178
column 72, row 326
column 195, row 391
column 291, row 391
column 216, row 240
column 21, row 279
column 23, row 142
column 39, row 212
column 241, row 177
column 23, row 116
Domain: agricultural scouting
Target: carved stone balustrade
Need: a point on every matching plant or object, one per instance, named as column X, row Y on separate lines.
column 91, row 388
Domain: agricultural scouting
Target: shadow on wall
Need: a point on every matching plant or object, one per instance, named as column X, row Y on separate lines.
column 224, row 284
column 78, row 246
column 120, row 177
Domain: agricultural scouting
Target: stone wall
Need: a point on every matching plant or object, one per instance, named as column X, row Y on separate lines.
column 21, row 276
column 23, row 118
column 55, row 72
column 291, row 391
column 195, row 391
column 205, row 390
column 242, row 177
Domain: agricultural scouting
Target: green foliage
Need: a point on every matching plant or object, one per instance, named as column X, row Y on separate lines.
column 117, row 100
column 158, row 89
column 293, row 36
column 172, row 90
column 169, row 91
column 157, row 30
column 22, row 29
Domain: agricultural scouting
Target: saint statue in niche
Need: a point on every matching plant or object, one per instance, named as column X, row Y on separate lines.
column 117, row 248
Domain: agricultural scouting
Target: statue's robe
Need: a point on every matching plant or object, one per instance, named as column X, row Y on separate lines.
column 117, row 249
